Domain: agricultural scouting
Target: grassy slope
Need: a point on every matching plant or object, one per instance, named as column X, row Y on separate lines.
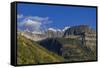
column 29, row 52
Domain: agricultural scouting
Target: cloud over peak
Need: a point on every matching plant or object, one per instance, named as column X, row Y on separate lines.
column 19, row 16
column 32, row 23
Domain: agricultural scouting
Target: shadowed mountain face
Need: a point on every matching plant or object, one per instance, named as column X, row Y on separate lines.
column 52, row 44
column 70, row 49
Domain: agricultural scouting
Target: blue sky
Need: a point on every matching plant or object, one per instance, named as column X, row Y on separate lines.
column 55, row 16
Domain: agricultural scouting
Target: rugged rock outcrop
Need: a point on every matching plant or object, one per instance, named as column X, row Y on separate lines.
column 76, row 30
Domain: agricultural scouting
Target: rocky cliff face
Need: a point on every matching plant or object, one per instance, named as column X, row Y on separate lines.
column 85, row 35
column 76, row 30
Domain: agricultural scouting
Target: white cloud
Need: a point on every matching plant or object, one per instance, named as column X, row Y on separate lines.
column 38, row 18
column 30, row 22
column 43, row 20
column 33, row 23
column 19, row 16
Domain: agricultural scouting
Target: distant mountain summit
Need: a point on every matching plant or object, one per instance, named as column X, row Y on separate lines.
column 52, row 33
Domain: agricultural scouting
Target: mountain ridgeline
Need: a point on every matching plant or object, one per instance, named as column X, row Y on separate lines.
column 77, row 43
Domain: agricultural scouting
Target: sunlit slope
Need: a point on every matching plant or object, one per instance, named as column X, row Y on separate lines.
column 29, row 52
